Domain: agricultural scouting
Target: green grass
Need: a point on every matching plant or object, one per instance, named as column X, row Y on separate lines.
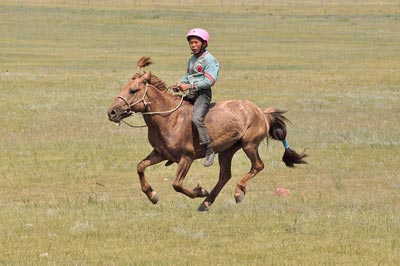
column 69, row 194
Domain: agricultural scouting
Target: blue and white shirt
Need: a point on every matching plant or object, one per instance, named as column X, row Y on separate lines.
column 202, row 72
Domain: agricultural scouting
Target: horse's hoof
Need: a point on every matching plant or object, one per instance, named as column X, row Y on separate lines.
column 200, row 192
column 154, row 197
column 239, row 197
column 168, row 163
column 203, row 207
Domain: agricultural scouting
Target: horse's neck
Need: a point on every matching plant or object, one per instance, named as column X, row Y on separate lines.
column 165, row 104
column 159, row 100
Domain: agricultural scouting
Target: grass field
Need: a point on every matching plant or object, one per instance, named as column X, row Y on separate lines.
column 69, row 193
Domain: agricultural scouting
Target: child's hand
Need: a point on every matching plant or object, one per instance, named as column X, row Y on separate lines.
column 184, row 87
column 178, row 87
column 175, row 87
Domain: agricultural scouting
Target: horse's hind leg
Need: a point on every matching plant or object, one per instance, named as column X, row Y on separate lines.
column 225, row 174
column 183, row 168
column 153, row 158
column 256, row 166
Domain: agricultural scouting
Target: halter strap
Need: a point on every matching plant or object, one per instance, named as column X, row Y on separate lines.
column 146, row 103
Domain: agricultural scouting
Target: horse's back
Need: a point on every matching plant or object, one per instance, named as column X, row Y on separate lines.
column 231, row 109
column 230, row 120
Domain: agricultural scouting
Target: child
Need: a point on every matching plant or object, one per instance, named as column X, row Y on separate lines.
column 201, row 75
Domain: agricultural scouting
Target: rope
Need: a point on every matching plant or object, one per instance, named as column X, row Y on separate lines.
column 165, row 112
column 149, row 113
column 126, row 123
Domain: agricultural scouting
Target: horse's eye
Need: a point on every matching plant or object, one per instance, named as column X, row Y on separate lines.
column 133, row 90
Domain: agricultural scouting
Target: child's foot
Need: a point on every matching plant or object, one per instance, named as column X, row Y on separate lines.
column 210, row 156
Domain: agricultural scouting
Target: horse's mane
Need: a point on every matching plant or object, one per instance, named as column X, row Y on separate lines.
column 153, row 80
column 144, row 61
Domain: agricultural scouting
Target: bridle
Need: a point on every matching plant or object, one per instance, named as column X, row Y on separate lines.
column 143, row 100
column 145, row 103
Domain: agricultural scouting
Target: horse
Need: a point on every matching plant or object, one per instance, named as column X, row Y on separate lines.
column 232, row 125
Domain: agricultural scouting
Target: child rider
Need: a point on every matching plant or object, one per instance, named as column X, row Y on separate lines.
column 201, row 75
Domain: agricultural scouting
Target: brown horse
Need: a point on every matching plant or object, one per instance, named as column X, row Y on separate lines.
column 232, row 125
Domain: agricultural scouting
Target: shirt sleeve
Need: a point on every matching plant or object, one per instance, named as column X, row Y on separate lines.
column 185, row 78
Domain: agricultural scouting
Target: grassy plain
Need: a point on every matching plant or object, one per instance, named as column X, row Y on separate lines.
column 69, row 194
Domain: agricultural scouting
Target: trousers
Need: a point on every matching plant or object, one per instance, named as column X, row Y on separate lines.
column 200, row 108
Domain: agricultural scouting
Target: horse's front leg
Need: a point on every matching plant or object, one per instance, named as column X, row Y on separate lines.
column 183, row 169
column 153, row 158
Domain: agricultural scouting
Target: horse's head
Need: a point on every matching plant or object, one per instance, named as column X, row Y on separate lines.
column 131, row 98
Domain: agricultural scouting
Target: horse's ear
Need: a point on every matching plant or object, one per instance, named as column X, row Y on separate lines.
column 146, row 77
column 136, row 76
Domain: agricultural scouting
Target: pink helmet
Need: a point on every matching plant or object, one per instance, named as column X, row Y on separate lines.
column 200, row 33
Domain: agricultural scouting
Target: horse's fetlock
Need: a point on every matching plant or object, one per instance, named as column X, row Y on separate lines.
column 177, row 187
column 147, row 189
column 241, row 187
column 259, row 167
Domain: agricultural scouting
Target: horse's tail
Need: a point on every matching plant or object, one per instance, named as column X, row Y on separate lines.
column 277, row 131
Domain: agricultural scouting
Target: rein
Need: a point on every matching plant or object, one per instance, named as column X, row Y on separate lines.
column 145, row 103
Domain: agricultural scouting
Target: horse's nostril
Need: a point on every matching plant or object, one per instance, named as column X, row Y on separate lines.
column 112, row 114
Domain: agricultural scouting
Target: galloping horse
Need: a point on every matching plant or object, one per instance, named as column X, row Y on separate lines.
column 232, row 125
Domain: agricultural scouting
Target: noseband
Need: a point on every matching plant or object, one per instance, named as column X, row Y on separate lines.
column 143, row 100
column 145, row 103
